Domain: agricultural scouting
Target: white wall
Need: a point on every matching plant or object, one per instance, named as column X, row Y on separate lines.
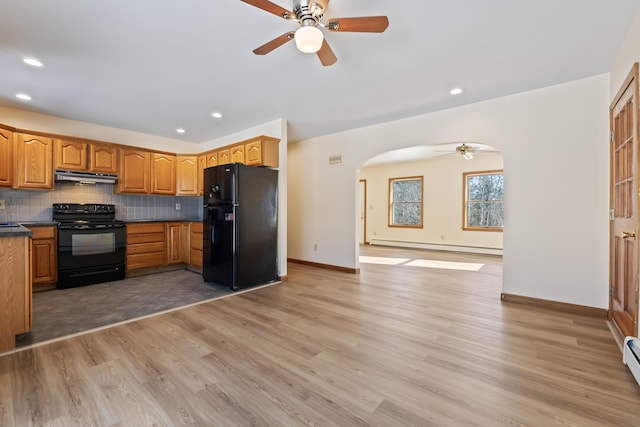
column 442, row 196
column 628, row 54
column 554, row 142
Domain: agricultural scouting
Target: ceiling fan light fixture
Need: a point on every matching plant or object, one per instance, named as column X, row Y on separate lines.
column 309, row 39
column 467, row 156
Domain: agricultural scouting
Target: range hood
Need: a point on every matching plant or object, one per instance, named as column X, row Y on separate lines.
column 85, row 177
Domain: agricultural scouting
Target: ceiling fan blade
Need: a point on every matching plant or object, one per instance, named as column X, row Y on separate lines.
column 270, row 7
column 326, row 55
column 363, row 24
column 273, row 44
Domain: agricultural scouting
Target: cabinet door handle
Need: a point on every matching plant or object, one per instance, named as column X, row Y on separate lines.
column 628, row 234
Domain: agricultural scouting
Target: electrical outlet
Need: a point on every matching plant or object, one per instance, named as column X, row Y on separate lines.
column 2, row 205
column 177, row 206
column 315, row 246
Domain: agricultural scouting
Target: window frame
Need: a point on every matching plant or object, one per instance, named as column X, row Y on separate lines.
column 465, row 201
column 390, row 202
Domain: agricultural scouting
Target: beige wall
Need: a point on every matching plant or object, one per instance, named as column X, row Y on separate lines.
column 443, row 191
column 554, row 142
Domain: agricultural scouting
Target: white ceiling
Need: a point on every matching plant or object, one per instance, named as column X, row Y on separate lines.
column 154, row 65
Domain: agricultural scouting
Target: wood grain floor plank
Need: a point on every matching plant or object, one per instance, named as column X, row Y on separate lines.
column 393, row 345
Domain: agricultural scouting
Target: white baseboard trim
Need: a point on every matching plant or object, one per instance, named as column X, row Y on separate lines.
column 437, row 247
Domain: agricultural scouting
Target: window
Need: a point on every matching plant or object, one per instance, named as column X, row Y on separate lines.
column 405, row 202
column 483, row 200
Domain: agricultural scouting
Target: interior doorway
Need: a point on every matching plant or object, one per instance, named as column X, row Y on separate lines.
column 623, row 255
column 362, row 212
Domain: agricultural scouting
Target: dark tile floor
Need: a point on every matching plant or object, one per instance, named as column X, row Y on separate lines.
column 62, row 312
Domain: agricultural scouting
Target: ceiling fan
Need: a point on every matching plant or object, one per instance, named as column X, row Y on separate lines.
column 464, row 150
column 309, row 38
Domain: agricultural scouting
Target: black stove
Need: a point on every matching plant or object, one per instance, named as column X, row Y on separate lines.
column 86, row 215
column 91, row 244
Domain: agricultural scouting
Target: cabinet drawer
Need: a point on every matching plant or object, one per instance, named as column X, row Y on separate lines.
column 196, row 257
column 133, row 239
column 143, row 248
column 196, row 241
column 152, row 227
column 44, row 232
column 196, row 227
column 146, row 260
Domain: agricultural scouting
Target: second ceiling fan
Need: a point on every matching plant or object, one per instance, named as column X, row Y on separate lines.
column 309, row 38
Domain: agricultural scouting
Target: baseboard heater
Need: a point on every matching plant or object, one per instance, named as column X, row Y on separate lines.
column 438, row 247
column 631, row 356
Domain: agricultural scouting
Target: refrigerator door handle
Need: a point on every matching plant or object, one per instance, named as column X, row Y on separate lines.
column 213, row 234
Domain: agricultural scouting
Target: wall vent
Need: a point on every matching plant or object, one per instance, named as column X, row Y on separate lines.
column 334, row 159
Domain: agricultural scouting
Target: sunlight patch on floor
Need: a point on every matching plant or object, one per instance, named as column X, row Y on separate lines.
column 425, row 263
column 447, row 265
column 382, row 260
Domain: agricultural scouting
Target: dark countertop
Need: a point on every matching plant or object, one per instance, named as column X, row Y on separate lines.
column 13, row 230
column 38, row 223
column 136, row 221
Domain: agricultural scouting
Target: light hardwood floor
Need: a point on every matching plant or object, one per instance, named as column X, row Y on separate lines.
column 396, row 345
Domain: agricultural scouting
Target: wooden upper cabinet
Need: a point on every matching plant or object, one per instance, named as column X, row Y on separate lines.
column 211, row 159
column 163, row 174
column 261, row 151
column 224, row 156
column 202, row 165
column 34, row 161
column 237, row 154
column 187, row 176
column 70, row 155
column 134, row 171
column 103, row 158
column 6, row 158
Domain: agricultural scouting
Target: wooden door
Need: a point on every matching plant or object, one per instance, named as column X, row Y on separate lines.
column 187, row 176
column 224, row 157
column 163, row 174
column 211, row 159
column 623, row 299
column 202, row 165
column 35, row 161
column 134, row 171
column 237, row 154
column 253, row 153
column 6, row 158
column 103, row 158
column 70, row 155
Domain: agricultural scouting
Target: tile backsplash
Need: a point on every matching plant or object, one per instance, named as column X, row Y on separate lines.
column 32, row 205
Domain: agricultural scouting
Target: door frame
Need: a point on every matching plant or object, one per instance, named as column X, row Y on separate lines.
column 362, row 195
column 630, row 81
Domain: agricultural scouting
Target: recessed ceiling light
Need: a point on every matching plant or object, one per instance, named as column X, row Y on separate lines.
column 180, row 130
column 33, row 62
column 23, row 96
column 456, row 91
column 216, row 115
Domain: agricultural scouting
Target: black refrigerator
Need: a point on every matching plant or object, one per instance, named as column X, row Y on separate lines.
column 240, row 237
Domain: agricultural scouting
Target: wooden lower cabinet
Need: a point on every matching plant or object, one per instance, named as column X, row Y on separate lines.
column 44, row 257
column 15, row 290
column 146, row 247
column 196, row 245
column 178, row 242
